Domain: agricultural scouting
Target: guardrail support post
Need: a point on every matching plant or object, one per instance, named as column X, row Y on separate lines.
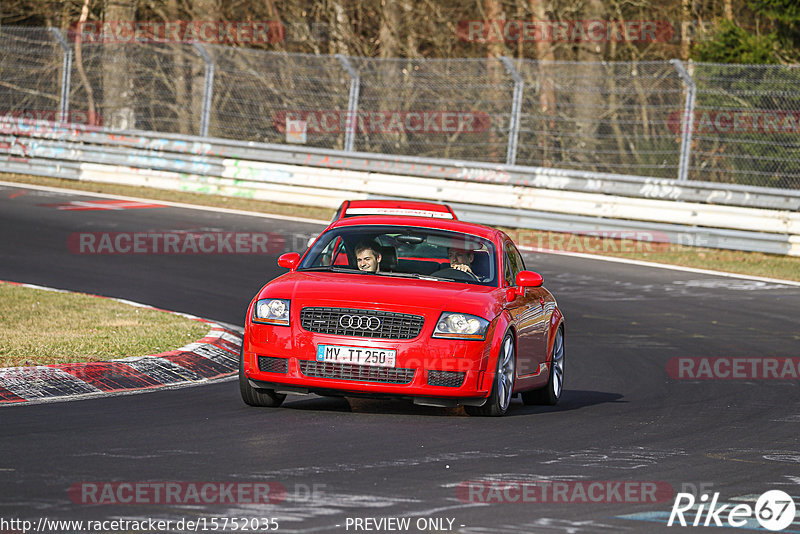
column 687, row 121
column 516, row 105
column 352, row 103
column 66, row 74
column 208, row 88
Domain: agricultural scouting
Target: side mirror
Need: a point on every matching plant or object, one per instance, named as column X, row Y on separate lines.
column 290, row 260
column 528, row 279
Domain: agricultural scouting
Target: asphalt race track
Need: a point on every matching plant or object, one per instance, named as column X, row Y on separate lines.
column 621, row 419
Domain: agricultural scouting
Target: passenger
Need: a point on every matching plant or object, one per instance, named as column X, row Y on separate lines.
column 368, row 256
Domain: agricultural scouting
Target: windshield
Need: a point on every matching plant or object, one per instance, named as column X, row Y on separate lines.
column 405, row 251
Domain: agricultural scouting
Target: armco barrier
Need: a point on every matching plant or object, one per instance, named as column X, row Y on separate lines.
column 198, row 151
column 743, row 218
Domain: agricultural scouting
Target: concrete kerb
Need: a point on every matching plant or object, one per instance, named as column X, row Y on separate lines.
column 213, row 357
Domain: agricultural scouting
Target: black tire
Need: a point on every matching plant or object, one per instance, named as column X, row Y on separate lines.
column 255, row 396
column 549, row 395
column 500, row 398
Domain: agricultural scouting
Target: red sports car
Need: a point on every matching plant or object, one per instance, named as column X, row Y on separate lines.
column 438, row 311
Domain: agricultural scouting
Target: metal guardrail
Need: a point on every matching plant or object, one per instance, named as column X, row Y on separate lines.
column 524, row 197
column 203, row 150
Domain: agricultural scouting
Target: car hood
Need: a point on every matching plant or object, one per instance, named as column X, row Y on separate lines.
column 383, row 292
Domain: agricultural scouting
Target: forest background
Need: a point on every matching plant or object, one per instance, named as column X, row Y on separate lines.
column 724, row 31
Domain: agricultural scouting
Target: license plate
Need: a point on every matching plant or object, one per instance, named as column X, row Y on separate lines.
column 356, row 355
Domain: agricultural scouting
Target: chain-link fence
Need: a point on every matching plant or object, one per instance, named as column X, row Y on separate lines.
column 608, row 117
column 254, row 93
column 721, row 123
column 747, row 125
column 154, row 86
column 31, row 68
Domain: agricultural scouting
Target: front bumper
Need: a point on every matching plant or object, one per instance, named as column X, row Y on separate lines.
column 419, row 357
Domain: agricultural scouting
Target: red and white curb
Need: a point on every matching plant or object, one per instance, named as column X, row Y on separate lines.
column 214, row 356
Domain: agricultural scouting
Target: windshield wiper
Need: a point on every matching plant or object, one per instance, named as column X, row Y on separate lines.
column 336, row 269
column 412, row 275
column 331, row 269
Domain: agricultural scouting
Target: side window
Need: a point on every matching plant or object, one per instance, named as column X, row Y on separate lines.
column 520, row 261
column 507, row 271
column 514, row 263
column 334, row 253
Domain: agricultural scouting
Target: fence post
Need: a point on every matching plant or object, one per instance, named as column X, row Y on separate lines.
column 516, row 105
column 208, row 88
column 687, row 121
column 352, row 103
column 66, row 74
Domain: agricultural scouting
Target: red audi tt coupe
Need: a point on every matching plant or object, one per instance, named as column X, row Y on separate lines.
column 438, row 311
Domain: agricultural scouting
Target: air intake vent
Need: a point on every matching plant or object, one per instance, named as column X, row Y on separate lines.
column 448, row 379
column 267, row 364
column 363, row 373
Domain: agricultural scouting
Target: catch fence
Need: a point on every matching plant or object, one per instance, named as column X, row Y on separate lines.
column 728, row 124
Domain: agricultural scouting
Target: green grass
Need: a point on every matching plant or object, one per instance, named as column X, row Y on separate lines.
column 39, row 327
column 747, row 263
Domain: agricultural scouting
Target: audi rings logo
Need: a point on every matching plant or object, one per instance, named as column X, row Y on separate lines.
column 359, row 322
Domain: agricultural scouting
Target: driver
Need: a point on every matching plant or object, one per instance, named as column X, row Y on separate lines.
column 368, row 256
column 461, row 260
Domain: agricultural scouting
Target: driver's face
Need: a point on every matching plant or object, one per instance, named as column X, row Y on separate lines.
column 367, row 261
column 459, row 257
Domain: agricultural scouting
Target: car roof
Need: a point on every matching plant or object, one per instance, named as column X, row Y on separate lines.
column 415, row 208
column 421, row 222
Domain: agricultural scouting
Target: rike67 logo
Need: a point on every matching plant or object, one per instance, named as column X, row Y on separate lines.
column 774, row 510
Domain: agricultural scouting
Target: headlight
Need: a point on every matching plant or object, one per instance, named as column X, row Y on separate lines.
column 461, row 326
column 271, row 311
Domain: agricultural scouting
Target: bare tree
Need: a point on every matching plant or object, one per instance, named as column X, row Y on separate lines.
column 545, row 86
column 493, row 11
column 587, row 97
column 79, row 63
column 391, row 20
column 686, row 21
column 118, row 95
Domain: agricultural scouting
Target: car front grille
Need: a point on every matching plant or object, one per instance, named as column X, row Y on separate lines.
column 450, row 379
column 363, row 373
column 361, row 323
column 267, row 364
